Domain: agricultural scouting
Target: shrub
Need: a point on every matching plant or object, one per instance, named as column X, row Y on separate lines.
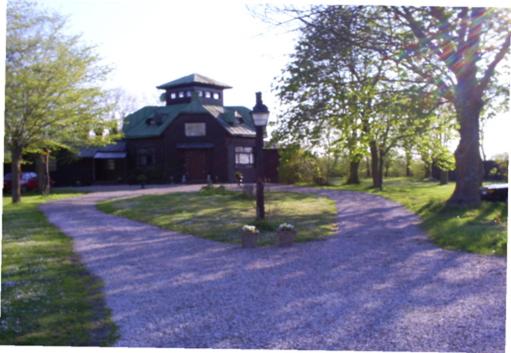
column 213, row 190
column 264, row 225
column 298, row 165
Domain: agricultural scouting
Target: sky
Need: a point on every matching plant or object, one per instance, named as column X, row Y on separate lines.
column 151, row 42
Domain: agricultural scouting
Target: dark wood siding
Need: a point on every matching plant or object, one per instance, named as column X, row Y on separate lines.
column 73, row 172
column 171, row 147
column 154, row 172
column 173, row 153
column 176, row 143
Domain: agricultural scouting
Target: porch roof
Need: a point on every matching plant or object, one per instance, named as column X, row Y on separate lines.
column 90, row 152
column 110, row 155
column 194, row 145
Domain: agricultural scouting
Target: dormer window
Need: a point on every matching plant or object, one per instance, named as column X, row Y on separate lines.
column 238, row 117
column 154, row 120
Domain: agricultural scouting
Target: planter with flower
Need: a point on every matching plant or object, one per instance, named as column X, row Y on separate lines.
column 249, row 236
column 286, row 234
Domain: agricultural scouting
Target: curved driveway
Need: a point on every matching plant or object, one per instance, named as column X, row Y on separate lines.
column 377, row 285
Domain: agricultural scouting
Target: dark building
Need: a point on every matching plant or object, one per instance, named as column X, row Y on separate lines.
column 192, row 138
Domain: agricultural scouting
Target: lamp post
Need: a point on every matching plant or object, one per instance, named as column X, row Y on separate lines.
column 260, row 115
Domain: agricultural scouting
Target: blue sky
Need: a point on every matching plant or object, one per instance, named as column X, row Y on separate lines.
column 151, row 42
column 154, row 41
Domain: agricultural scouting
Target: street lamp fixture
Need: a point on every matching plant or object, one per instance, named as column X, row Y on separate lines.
column 260, row 114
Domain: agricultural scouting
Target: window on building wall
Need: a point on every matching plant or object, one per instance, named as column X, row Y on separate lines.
column 244, row 155
column 207, row 94
column 188, row 93
column 110, row 164
column 145, row 157
column 181, row 94
column 173, row 95
column 216, row 96
column 195, row 129
column 201, row 93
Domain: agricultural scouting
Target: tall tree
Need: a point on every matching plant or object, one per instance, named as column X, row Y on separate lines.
column 325, row 87
column 466, row 45
column 52, row 97
column 343, row 76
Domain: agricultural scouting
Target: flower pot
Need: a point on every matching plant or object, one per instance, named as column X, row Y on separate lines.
column 248, row 240
column 286, row 238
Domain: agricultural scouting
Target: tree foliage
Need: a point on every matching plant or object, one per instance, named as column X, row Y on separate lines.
column 297, row 165
column 52, row 95
column 379, row 76
column 349, row 86
column 458, row 49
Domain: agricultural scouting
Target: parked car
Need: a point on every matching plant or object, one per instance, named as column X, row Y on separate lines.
column 494, row 192
column 28, row 181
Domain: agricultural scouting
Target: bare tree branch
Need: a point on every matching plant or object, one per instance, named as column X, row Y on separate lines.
column 483, row 84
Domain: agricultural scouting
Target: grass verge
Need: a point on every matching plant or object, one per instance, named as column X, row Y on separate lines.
column 48, row 297
column 482, row 230
column 219, row 215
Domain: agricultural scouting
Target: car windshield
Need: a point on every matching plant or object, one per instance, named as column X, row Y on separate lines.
column 28, row 176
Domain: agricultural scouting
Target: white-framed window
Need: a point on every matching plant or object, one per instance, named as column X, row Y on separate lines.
column 244, row 155
column 195, row 129
column 181, row 94
column 216, row 96
column 207, row 94
column 110, row 164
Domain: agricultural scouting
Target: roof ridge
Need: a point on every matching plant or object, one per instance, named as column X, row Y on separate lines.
column 191, row 79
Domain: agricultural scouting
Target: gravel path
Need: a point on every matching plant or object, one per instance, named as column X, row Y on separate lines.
column 378, row 285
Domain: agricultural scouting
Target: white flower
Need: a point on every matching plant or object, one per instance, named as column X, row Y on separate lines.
column 286, row 227
column 250, row 229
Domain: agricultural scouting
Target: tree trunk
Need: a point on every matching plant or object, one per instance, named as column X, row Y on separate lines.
column 427, row 171
column 469, row 167
column 375, row 166
column 387, row 167
column 353, row 177
column 43, row 173
column 16, row 174
column 368, row 168
column 444, row 177
column 380, row 169
column 408, row 159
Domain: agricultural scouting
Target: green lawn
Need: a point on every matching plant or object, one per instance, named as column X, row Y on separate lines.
column 482, row 230
column 48, row 297
column 220, row 215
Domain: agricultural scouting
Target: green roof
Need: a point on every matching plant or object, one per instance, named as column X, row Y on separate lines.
column 152, row 121
column 193, row 79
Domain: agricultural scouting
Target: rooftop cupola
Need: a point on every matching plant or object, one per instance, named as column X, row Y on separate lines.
column 208, row 91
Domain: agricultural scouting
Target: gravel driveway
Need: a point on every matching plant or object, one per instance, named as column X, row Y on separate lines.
column 378, row 285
